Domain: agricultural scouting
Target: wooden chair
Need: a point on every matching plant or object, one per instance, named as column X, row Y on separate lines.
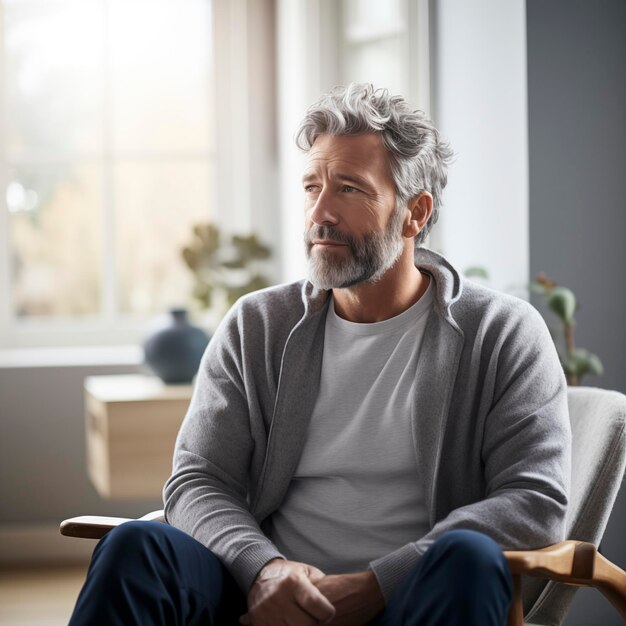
column 551, row 574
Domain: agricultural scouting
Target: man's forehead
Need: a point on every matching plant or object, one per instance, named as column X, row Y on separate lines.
column 349, row 152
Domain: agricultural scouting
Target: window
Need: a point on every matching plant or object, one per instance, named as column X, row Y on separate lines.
column 107, row 160
column 375, row 38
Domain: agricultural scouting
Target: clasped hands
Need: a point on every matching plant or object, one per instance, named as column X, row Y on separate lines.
column 288, row 592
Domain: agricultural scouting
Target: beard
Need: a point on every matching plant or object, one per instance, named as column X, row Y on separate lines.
column 369, row 256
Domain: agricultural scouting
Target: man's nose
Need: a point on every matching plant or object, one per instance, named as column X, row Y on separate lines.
column 324, row 210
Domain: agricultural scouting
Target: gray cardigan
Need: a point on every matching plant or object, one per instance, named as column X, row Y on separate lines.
column 490, row 423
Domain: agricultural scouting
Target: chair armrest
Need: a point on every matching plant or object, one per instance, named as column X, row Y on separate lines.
column 96, row 526
column 569, row 560
column 573, row 563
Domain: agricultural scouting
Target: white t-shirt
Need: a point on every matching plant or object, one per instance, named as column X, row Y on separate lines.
column 356, row 494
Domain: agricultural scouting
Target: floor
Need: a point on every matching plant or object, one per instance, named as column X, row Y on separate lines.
column 39, row 596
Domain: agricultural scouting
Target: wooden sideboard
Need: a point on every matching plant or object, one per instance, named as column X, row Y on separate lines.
column 131, row 426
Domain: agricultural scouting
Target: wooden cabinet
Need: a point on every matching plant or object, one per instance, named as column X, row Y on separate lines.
column 131, row 424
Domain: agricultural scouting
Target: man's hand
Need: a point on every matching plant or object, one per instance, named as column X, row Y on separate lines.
column 357, row 598
column 284, row 592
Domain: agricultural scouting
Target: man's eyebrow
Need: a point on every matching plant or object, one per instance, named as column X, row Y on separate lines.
column 351, row 178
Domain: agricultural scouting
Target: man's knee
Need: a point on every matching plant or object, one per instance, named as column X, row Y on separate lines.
column 463, row 578
column 138, row 544
column 147, row 568
column 131, row 537
column 468, row 549
column 133, row 531
column 470, row 562
column 126, row 547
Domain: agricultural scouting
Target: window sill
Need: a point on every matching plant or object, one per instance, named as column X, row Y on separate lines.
column 71, row 357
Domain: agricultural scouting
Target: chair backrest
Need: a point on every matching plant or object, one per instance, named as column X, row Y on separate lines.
column 598, row 419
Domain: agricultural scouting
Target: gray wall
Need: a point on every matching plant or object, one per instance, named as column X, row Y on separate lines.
column 42, row 447
column 577, row 147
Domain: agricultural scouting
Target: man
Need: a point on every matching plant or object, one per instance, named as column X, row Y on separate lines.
column 361, row 446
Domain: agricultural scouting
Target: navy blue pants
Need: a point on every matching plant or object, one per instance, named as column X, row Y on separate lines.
column 145, row 573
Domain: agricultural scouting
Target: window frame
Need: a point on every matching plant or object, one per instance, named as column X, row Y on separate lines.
column 242, row 153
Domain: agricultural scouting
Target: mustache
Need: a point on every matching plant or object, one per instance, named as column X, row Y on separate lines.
column 327, row 232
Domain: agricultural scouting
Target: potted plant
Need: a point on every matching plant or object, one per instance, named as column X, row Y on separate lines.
column 576, row 362
column 224, row 264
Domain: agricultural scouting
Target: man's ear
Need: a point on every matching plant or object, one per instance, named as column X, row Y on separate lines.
column 420, row 208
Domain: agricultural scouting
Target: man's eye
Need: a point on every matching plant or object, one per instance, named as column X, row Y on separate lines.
column 349, row 189
column 309, row 188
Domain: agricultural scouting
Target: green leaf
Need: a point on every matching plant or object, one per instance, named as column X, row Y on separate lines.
column 563, row 302
column 208, row 234
column 190, row 257
column 582, row 362
column 595, row 365
column 203, row 293
column 250, row 247
column 235, row 264
column 569, row 366
column 476, row 271
column 580, row 358
column 537, row 288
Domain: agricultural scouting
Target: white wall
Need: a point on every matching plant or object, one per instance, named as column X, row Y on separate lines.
column 480, row 104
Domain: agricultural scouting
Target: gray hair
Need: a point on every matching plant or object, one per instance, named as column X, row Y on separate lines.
column 418, row 156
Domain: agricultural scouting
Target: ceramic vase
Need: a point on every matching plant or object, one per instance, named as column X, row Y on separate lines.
column 174, row 347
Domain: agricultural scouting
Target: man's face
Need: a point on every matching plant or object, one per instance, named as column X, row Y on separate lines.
column 352, row 231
